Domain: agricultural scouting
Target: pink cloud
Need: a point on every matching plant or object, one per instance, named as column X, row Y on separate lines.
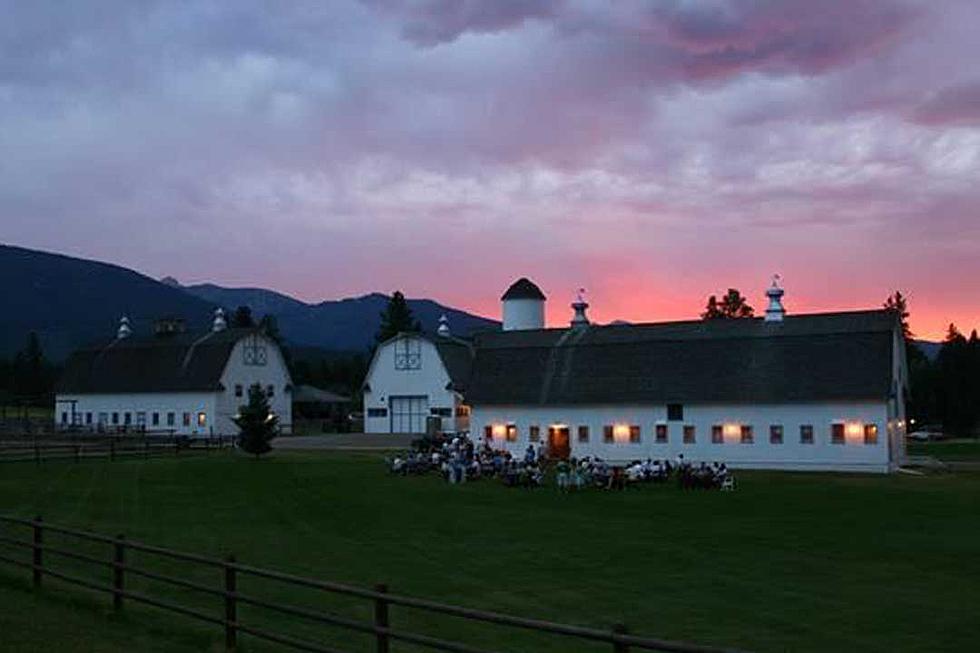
column 952, row 106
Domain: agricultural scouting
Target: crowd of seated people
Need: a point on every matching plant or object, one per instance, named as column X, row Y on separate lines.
column 457, row 459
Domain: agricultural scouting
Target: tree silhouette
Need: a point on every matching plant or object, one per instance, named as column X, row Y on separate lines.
column 256, row 423
column 397, row 318
column 732, row 306
column 242, row 318
column 898, row 304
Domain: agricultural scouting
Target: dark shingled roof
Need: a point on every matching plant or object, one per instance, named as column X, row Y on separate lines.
column 457, row 356
column 184, row 362
column 821, row 357
column 523, row 288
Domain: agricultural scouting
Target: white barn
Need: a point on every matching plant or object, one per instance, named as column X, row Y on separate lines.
column 172, row 381
column 807, row 392
column 413, row 377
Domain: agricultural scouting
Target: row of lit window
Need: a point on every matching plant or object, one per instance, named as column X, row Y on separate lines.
column 745, row 433
column 105, row 419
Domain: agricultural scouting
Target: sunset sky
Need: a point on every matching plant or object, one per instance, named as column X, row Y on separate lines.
column 651, row 152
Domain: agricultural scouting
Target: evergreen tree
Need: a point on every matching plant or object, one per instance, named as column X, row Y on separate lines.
column 242, row 318
column 732, row 306
column 30, row 371
column 899, row 305
column 256, row 423
column 397, row 318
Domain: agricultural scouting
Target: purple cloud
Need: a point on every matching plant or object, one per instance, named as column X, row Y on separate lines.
column 954, row 105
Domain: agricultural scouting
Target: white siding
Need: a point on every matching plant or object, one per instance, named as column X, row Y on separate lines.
column 162, row 403
column 854, row 455
column 385, row 381
column 274, row 373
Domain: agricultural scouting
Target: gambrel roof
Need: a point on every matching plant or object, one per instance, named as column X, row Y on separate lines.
column 180, row 362
column 819, row 357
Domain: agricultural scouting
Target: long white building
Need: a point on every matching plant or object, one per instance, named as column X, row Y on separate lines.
column 172, row 381
column 806, row 392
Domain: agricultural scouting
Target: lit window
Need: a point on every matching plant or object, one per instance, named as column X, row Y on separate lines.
column 512, row 433
column 607, row 433
column 717, row 434
column 747, row 436
column 661, row 433
column 689, row 434
column 870, row 434
column 776, row 434
column 583, row 434
column 806, row 434
column 634, row 433
column 837, row 433
column 499, row 431
column 202, row 419
column 675, row 412
column 534, row 433
column 488, row 432
column 462, row 411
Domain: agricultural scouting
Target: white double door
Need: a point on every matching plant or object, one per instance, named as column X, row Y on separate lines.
column 408, row 413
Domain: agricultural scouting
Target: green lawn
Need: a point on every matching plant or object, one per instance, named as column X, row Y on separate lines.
column 947, row 450
column 809, row 562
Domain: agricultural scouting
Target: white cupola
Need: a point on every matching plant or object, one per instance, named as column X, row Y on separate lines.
column 775, row 311
column 580, row 319
column 443, row 329
column 124, row 329
column 523, row 306
column 219, row 324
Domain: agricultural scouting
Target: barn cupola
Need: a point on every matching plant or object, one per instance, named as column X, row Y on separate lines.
column 775, row 311
column 219, row 324
column 579, row 306
column 124, row 330
column 443, row 329
column 523, row 306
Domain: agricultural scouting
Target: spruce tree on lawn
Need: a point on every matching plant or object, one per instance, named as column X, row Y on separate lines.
column 397, row 318
column 256, row 423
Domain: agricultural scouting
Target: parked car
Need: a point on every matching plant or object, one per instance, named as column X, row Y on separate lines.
column 925, row 435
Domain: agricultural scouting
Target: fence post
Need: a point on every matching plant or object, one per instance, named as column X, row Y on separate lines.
column 231, row 616
column 118, row 561
column 620, row 647
column 38, row 542
column 381, row 617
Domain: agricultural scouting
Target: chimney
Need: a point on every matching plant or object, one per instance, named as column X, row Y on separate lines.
column 443, row 329
column 124, row 330
column 219, row 324
column 579, row 306
column 775, row 311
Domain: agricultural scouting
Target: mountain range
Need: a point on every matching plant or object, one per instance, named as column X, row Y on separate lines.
column 70, row 302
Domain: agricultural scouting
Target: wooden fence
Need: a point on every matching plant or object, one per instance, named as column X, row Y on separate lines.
column 116, row 570
column 41, row 450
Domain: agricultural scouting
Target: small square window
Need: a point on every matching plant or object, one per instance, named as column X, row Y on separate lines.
column 837, row 433
column 141, row 419
column 127, row 418
column 717, row 434
column 115, row 418
column 270, row 391
column 202, row 419
column 186, row 419
column 634, row 433
column 870, row 434
column 607, row 433
column 806, row 434
column 155, row 419
column 239, row 390
column 689, row 434
column 675, row 412
column 488, row 432
column 661, row 431
column 64, row 418
column 170, row 419
column 534, row 433
column 512, row 433
column 747, row 435
column 776, row 434
column 583, row 434
column 88, row 418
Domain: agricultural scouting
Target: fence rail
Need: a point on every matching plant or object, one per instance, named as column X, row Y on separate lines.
column 116, row 562
column 79, row 449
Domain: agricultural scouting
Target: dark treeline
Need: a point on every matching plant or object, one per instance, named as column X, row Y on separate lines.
column 27, row 380
column 946, row 391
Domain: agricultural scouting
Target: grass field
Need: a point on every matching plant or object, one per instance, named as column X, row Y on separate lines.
column 787, row 562
column 947, row 450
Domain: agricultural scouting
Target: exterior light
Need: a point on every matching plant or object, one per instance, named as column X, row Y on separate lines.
column 621, row 432
column 732, row 430
column 499, row 431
